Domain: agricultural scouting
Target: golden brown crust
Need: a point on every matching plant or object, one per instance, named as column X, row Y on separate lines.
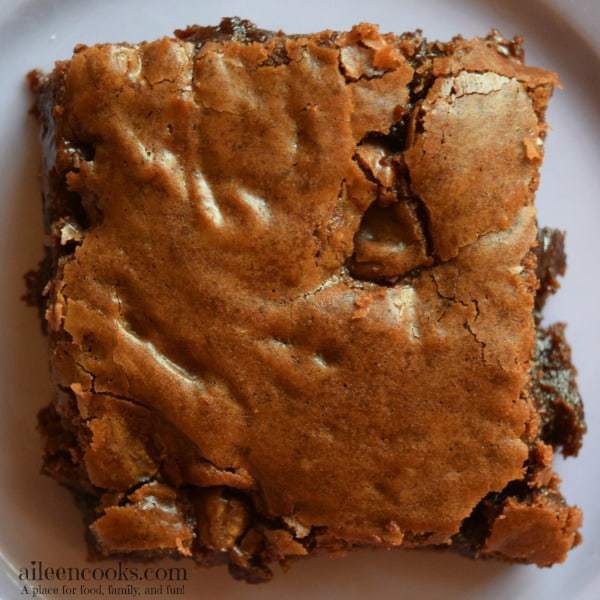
column 152, row 520
column 474, row 126
column 541, row 531
column 205, row 320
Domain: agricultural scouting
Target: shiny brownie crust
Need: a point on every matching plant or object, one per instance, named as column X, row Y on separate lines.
column 292, row 293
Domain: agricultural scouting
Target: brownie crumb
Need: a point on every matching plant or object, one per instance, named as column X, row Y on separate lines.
column 555, row 391
column 551, row 263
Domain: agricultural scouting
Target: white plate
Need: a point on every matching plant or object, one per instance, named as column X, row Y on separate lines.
column 38, row 520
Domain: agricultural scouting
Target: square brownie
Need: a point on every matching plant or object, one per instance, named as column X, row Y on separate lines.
column 293, row 291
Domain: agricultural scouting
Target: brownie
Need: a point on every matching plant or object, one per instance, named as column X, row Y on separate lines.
column 292, row 294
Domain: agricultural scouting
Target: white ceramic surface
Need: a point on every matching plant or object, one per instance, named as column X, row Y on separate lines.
column 37, row 518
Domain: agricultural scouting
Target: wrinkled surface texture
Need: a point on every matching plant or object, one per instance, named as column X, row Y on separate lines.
column 208, row 329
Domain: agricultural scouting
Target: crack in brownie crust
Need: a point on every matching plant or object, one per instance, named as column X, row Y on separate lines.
column 291, row 303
